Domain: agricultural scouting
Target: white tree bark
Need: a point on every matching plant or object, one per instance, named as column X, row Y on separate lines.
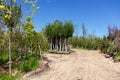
column 40, row 51
column 56, row 44
column 51, row 45
column 60, row 44
column 65, row 45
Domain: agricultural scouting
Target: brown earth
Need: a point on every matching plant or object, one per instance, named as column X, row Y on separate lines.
column 79, row 65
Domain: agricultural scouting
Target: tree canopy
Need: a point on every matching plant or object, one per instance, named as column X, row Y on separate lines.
column 58, row 32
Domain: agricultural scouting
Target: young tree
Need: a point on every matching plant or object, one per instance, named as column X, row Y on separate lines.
column 28, row 33
column 11, row 16
column 10, row 12
column 84, row 31
column 58, row 33
column 68, row 32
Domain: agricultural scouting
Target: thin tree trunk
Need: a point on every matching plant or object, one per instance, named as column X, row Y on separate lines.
column 51, row 45
column 26, row 46
column 9, row 51
column 10, row 32
column 56, row 44
column 70, row 47
column 60, row 44
column 40, row 51
column 65, row 45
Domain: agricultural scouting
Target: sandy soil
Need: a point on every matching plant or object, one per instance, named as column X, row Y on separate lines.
column 80, row 65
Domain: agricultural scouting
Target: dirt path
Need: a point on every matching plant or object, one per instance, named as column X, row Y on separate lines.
column 80, row 65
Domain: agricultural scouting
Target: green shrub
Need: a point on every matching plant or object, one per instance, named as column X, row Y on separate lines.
column 117, row 56
column 105, row 43
column 110, row 49
column 4, row 57
column 90, row 42
column 5, row 76
column 14, row 56
column 29, row 63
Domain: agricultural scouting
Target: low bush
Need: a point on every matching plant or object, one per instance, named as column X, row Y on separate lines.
column 90, row 42
column 29, row 63
column 110, row 50
column 117, row 56
column 4, row 57
column 14, row 56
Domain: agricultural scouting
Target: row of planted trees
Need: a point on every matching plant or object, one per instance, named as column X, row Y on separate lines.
column 58, row 34
column 86, row 41
column 110, row 45
column 19, row 42
column 24, row 38
column 90, row 42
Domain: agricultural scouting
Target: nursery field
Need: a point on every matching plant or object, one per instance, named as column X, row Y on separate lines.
column 79, row 65
column 59, row 40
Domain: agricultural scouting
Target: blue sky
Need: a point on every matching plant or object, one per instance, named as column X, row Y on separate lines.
column 95, row 14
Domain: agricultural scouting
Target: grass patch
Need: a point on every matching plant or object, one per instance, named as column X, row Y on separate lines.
column 5, row 76
column 28, row 63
